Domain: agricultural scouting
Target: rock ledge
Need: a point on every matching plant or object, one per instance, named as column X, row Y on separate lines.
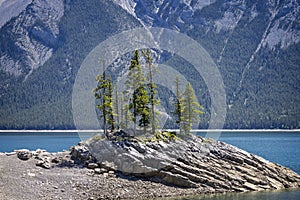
column 192, row 162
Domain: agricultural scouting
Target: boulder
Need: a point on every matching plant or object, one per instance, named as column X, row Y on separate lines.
column 81, row 154
column 24, row 154
column 44, row 164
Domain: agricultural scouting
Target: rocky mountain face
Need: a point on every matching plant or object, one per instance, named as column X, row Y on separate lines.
column 33, row 35
column 244, row 38
column 41, row 50
column 184, row 15
column 254, row 44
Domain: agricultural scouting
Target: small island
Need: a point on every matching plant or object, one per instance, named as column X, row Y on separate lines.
column 134, row 159
column 126, row 167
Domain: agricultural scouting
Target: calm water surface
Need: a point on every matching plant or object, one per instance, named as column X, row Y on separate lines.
column 266, row 195
column 51, row 141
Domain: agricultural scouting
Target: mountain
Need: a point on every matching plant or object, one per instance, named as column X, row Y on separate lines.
column 254, row 44
column 36, row 88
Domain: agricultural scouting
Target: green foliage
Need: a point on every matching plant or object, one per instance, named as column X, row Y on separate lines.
column 144, row 98
column 153, row 100
column 141, row 100
column 104, row 93
column 136, row 83
column 208, row 140
column 125, row 114
column 164, row 136
column 116, row 103
column 178, row 107
column 191, row 109
column 98, row 137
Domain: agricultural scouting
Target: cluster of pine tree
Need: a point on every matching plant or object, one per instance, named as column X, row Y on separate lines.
column 136, row 105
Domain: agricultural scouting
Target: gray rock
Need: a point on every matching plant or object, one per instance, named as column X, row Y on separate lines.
column 56, row 160
column 44, row 163
column 92, row 165
column 24, row 154
column 190, row 162
column 81, row 154
column 97, row 170
column 139, row 147
column 177, row 179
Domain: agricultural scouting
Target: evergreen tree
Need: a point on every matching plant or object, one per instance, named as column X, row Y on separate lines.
column 103, row 93
column 117, row 106
column 99, row 93
column 109, row 104
column 191, row 109
column 178, row 107
column 142, row 106
column 139, row 100
column 152, row 88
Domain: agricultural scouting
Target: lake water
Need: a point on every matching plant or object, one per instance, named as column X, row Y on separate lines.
column 279, row 147
column 51, row 141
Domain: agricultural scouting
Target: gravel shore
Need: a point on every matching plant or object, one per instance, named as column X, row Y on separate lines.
column 24, row 180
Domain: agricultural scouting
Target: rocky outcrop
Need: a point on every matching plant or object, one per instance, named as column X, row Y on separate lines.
column 189, row 162
column 33, row 34
column 184, row 15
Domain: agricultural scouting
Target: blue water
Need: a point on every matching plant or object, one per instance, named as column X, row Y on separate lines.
column 293, row 194
column 50, row 141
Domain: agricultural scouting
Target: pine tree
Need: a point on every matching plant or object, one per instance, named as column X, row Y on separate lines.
column 152, row 88
column 142, row 103
column 109, row 104
column 98, row 92
column 117, row 106
column 178, row 107
column 103, row 93
column 191, row 109
column 136, row 84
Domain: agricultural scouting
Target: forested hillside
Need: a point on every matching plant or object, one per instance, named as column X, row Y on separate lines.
column 254, row 44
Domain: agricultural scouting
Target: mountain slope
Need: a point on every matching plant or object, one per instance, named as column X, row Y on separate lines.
column 42, row 99
column 254, row 44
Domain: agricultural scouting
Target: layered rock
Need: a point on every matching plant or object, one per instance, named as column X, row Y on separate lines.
column 188, row 162
column 202, row 165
